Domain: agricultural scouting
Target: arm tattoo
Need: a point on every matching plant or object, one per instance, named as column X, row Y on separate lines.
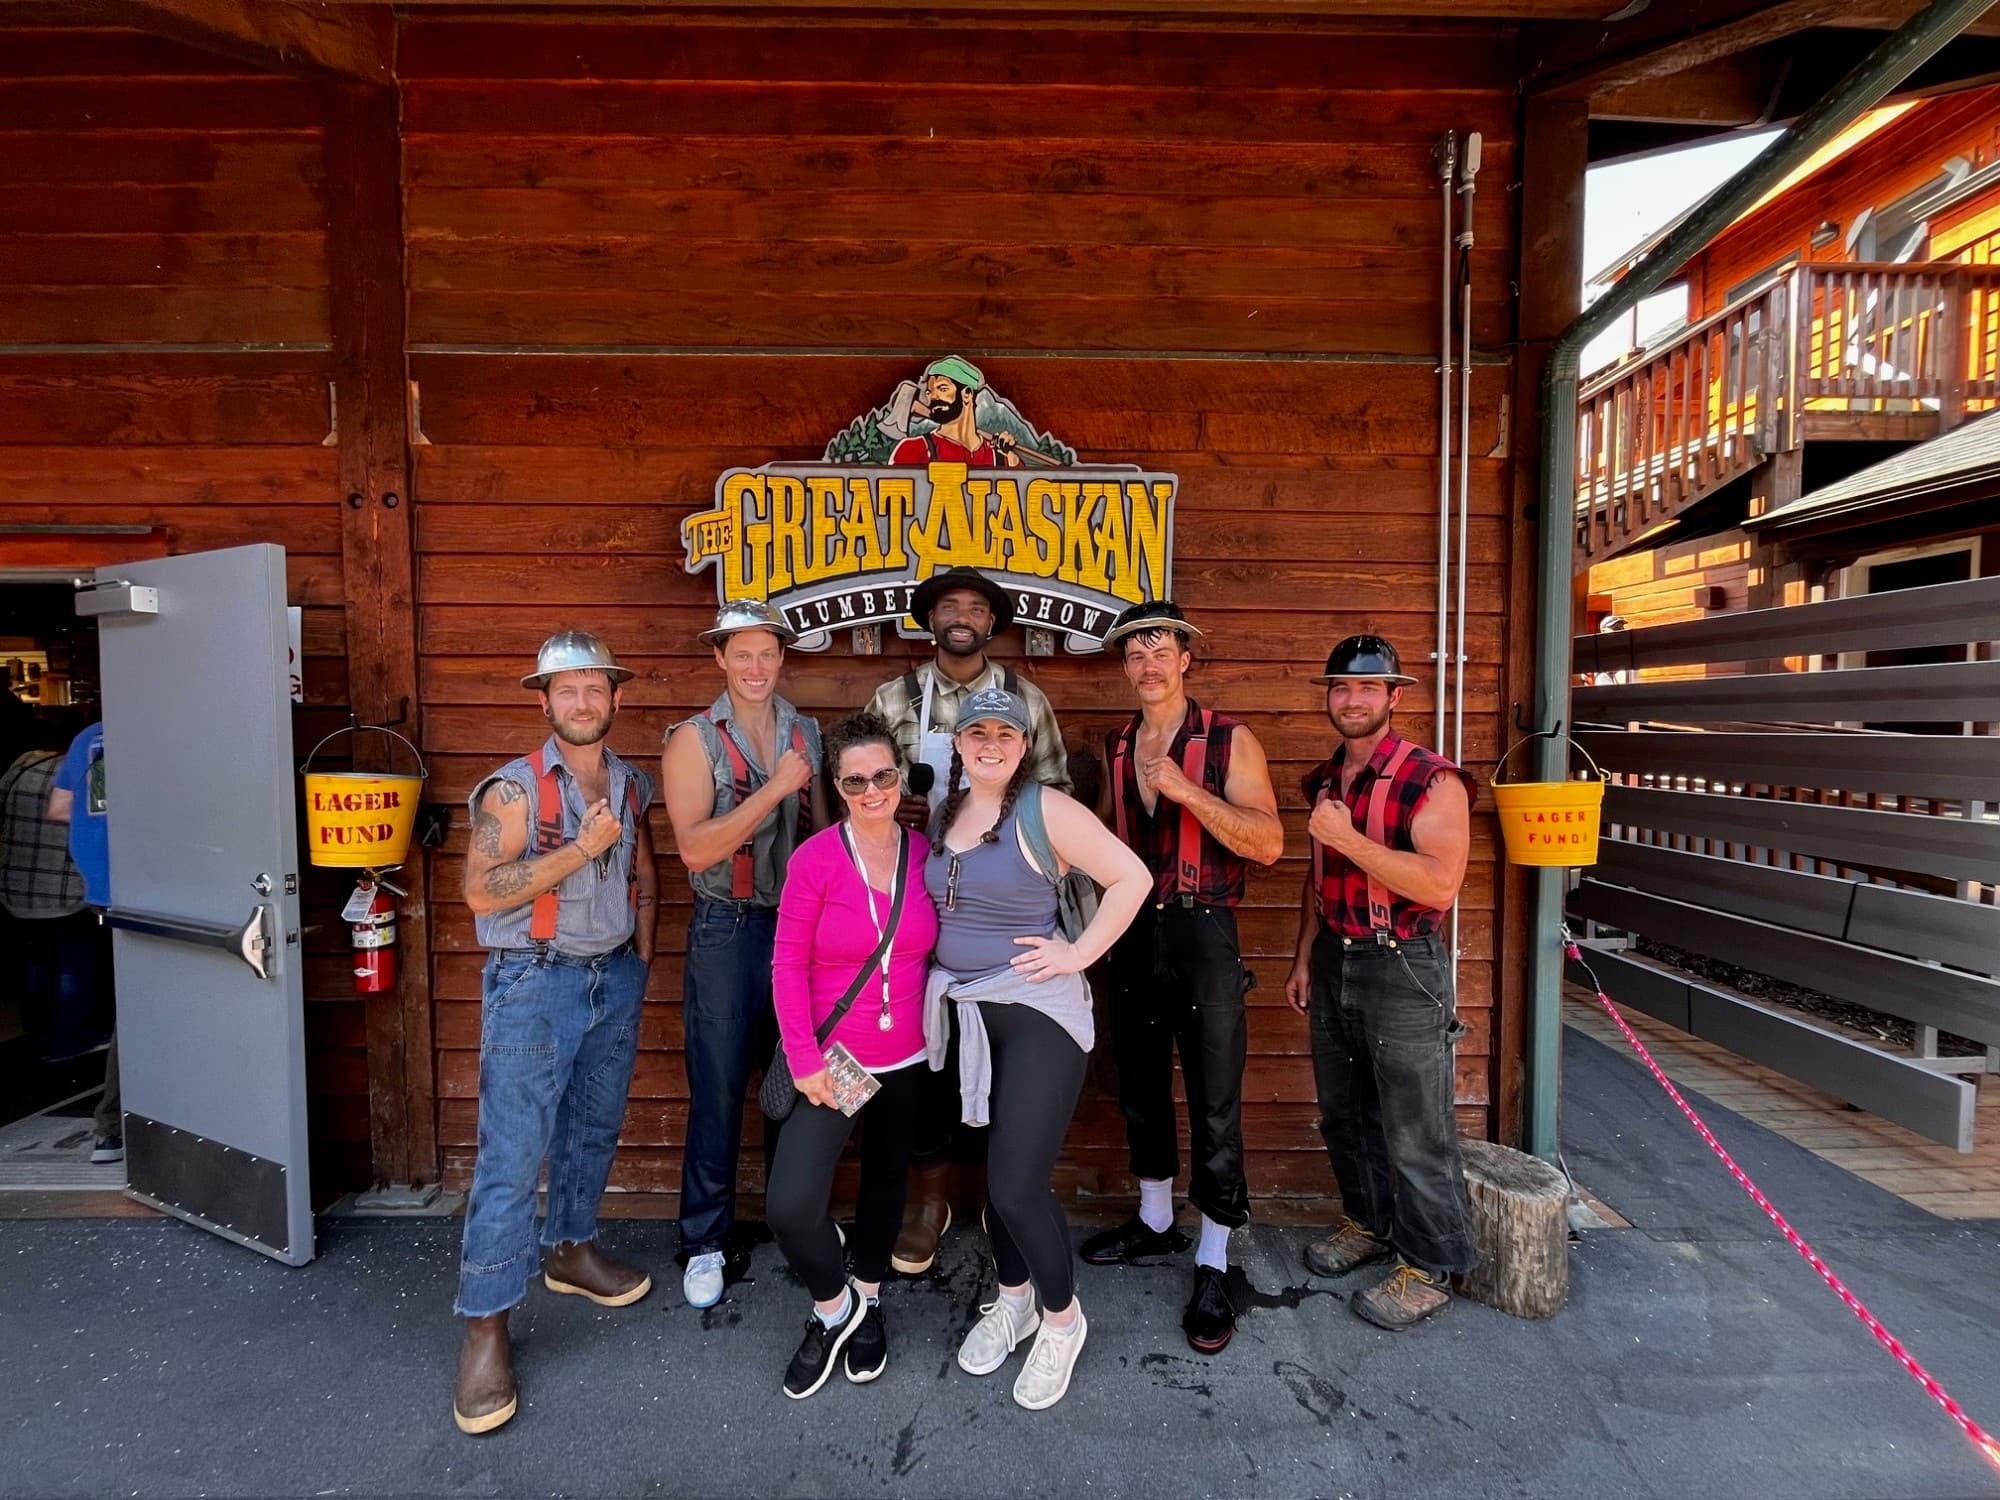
column 509, row 791
column 486, row 834
column 509, row 880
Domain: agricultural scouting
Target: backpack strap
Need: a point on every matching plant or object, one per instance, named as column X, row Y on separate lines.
column 1035, row 830
column 1010, row 680
column 548, row 839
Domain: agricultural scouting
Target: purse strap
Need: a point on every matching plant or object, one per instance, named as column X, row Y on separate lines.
column 826, row 1028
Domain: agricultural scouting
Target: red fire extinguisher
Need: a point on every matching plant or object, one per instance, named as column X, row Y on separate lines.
column 370, row 915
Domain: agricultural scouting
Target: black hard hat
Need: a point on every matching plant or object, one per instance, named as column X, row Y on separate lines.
column 927, row 594
column 1365, row 656
column 1154, row 614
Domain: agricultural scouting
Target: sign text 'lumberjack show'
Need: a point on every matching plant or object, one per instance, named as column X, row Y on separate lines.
column 945, row 475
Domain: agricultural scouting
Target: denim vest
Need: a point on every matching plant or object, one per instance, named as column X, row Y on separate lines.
column 776, row 837
column 594, row 910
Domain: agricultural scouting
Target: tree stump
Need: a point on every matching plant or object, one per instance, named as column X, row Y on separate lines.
column 1520, row 1227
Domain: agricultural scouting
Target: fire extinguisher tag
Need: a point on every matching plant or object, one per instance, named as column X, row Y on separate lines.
column 380, row 935
column 358, row 903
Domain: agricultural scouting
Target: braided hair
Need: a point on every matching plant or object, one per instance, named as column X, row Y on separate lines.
column 956, row 788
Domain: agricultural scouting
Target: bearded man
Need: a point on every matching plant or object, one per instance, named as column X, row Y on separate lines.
column 560, row 879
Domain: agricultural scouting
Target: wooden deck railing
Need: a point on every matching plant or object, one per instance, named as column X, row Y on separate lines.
column 1659, row 433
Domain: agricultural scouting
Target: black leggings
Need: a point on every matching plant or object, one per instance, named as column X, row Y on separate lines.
column 1037, row 1076
column 801, row 1184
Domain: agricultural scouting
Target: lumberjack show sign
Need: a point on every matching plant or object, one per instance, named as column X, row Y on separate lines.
column 946, row 474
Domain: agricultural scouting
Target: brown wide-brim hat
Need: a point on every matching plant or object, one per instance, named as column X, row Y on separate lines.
column 934, row 588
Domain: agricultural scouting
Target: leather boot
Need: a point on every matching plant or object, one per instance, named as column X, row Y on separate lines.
column 484, row 1398
column 926, row 1216
column 581, row 1269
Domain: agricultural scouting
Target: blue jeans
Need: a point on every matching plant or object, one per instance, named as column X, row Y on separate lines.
column 557, row 1036
column 730, row 1031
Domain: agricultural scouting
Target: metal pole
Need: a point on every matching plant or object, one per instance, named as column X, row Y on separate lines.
column 1445, row 155
column 1900, row 54
column 1468, row 169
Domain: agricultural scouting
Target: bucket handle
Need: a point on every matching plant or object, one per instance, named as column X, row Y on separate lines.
column 306, row 768
column 1546, row 734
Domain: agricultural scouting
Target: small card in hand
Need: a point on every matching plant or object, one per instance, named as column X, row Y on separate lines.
column 852, row 1084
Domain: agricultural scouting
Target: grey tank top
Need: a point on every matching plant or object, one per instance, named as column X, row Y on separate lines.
column 1000, row 897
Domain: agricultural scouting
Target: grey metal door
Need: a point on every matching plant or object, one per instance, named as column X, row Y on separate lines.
column 204, row 891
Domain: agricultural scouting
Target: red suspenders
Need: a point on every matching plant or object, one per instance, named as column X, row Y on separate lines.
column 1375, row 824
column 743, row 865
column 1187, row 860
column 549, row 838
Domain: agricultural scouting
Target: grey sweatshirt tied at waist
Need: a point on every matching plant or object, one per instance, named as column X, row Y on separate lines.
column 1064, row 999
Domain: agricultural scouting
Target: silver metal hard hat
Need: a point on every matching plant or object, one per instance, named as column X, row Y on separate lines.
column 748, row 614
column 573, row 651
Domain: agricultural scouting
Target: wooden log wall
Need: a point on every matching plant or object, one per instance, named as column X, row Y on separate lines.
column 638, row 253
column 651, row 252
column 164, row 362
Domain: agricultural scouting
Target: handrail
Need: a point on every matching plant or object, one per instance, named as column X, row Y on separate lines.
column 1659, row 432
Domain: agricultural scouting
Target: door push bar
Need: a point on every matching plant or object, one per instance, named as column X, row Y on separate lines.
column 251, row 942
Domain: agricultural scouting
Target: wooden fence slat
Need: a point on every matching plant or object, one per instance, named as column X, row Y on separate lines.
column 1951, row 848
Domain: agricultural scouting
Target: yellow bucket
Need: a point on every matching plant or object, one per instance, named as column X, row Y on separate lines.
column 361, row 819
column 1550, row 822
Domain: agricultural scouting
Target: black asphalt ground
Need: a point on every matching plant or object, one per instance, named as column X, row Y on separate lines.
column 1699, row 1356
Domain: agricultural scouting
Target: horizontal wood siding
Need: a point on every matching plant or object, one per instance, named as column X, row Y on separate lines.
column 156, row 197
column 1685, row 581
column 657, row 251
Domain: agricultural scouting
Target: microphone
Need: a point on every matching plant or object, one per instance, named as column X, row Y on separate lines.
column 922, row 778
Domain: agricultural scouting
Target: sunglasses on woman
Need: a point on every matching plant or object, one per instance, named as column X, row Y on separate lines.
column 882, row 780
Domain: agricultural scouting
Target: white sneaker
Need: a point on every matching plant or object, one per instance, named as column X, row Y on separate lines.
column 702, row 1285
column 995, row 1336
column 1044, row 1379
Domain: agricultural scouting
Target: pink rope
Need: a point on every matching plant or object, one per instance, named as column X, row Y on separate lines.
column 1988, row 1446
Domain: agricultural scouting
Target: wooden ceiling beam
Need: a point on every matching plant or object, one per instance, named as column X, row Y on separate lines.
column 1581, row 61
column 355, row 42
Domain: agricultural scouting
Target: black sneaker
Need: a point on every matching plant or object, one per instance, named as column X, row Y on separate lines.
column 1210, row 1321
column 1130, row 1241
column 821, row 1347
column 868, row 1351
column 107, row 1148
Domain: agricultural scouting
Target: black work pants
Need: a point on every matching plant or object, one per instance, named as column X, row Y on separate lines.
column 1384, row 1027
column 1037, row 1077
column 1177, row 981
column 801, row 1183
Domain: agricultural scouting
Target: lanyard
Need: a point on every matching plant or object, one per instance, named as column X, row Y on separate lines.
column 884, row 1022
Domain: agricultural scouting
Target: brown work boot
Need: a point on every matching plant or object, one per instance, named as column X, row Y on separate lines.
column 926, row 1216
column 580, row 1268
column 1347, row 1247
column 484, row 1398
column 1404, row 1297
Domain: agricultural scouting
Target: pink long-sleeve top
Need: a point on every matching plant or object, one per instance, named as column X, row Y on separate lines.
column 825, row 935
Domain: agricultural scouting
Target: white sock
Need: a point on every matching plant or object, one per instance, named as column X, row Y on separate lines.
column 1017, row 1304
column 1156, row 1203
column 833, row 1319
column 1214, row 1247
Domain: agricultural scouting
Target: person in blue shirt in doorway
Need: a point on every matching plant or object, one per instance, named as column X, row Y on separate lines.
column 77, row 798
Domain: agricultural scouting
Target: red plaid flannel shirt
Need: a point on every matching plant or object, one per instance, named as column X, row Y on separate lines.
column 1157, row 838
column 1344, row 885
